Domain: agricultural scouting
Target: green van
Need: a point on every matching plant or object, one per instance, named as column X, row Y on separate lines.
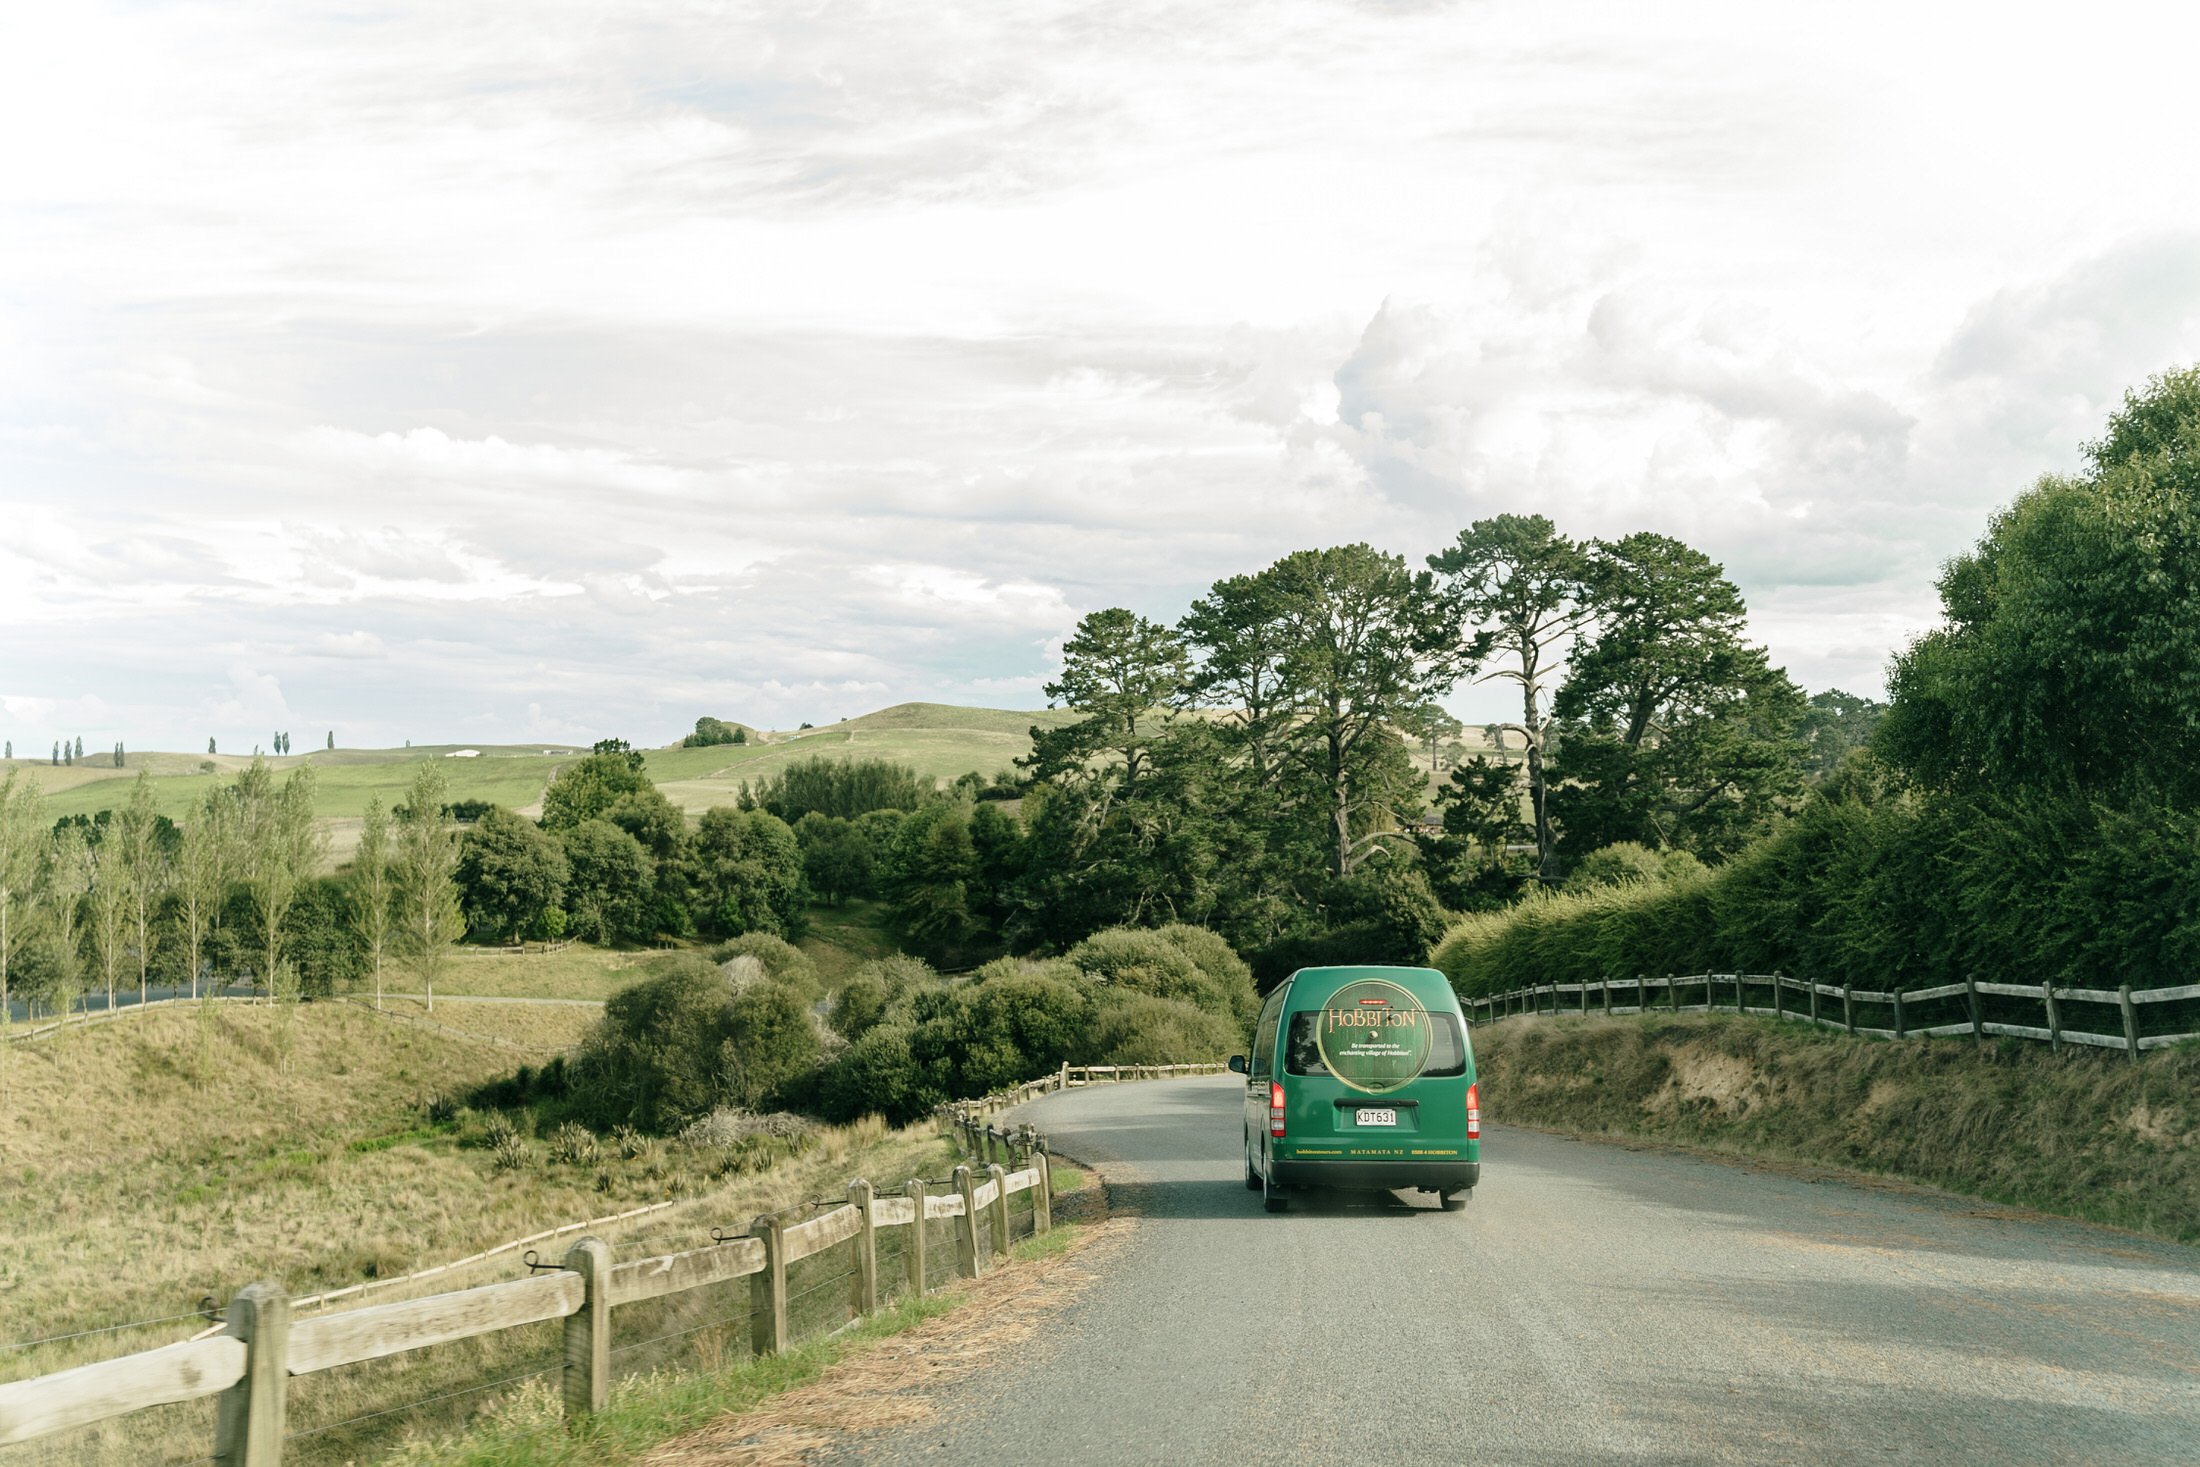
column 1361, row 1078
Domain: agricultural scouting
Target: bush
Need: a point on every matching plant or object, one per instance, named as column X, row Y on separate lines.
column 573, row 1144
column 610, row 883
column 1160, row 964
column 746, row 870
column 781, row 960
column 656, row 1058
column 1143, row 1030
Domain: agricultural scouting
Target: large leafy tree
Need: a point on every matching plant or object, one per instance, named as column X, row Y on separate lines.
column 510, row 875
column 746, row 870
column 2070, row 657
column 1680, row 732
column 1365, row 643
column 608, row 891
column 1238, row 632
column 1521, row 590
column 589, row 787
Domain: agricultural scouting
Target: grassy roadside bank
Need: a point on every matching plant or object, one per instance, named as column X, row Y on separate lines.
column 2089, row 1134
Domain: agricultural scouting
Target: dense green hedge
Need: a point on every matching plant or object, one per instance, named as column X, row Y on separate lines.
column 1883, row 889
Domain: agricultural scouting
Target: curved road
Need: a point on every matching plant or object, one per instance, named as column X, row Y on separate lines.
column 1592, row 1304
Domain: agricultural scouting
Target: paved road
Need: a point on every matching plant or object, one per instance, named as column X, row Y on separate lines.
column 1591, row 1304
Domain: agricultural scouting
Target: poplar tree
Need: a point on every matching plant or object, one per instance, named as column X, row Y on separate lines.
column 68, row 875
column 425, row 869
column 203, row 864
column 373, row 889
column 280, row 845
column 80, row 746
column 137, row 835
column 110, row 912
column 22, row 842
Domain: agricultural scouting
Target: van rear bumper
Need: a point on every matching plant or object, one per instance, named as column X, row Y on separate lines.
column 1383, row 1175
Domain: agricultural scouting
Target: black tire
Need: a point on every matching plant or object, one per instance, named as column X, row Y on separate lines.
column 1252, row 1173
column 1273, row 1197
column 1455, row 1201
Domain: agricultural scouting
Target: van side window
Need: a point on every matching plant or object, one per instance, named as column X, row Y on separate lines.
column 1447, row 1055
column 1264, row 1042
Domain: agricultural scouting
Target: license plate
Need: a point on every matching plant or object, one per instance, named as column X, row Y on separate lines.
column 1372, row 1117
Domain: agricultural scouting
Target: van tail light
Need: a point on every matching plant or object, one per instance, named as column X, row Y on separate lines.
column 1474, row 1111
column 1275, row 1107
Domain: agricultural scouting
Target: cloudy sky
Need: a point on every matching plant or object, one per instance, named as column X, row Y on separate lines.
column 547, row 369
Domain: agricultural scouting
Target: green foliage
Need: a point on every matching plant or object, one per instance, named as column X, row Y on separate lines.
column 929, row 877
column 610, row 882
column 837, row 860
column 745, row 869
column 589, row 787
column 2070, row 658
column 1174, row 962
column 781, row 961
column 1835, row 725
column 1626, row 862
column 841, row 787
column 510, row 874
column 711, row 732
column 320, row 940
column 769, row 1042
column 1143, row 1030
column 1122, row 672
column 656, row 1059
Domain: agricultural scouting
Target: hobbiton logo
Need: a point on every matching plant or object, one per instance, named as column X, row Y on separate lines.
column 1374, row 1036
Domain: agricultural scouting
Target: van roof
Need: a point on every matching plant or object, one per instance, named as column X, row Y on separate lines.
column 1316, row 984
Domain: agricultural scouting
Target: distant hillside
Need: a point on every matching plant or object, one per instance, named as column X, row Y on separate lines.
column 939, row 740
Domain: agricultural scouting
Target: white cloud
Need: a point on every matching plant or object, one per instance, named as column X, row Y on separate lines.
column 633, row 362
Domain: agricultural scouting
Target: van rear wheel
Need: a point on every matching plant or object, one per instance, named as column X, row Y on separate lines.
column 1273, row 1197
column 1252, row 1173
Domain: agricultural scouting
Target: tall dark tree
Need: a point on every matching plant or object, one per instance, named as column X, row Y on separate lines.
column 1123, row 673
column 1237, row 630
column 2070, row 657
column 1522, row 595
column 510, row 875
column 1680, row 732
column 1365, row 643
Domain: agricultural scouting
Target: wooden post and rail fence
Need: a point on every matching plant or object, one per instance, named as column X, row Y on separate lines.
column 261, row 1347
column 1731, row 992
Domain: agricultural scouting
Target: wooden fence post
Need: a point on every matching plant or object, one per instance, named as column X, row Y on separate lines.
column 1900, row 1030
column 966, row 1236
column 587, row 1383
column 2054, row 1017
column 1607, row 986
column 913, row 1255
column 768, row 1289
column 866, row 1300
column 998, row 1175
column 1737, row 993
column 1778, row 1013
column 248, row 1420
column 1848, row 1005
column 1672, row 995
column 1042, row 1196
column 1970, row 998
column 1814, row 1003
column 2131, row 1019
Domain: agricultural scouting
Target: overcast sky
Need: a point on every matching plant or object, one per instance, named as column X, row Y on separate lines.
column 544, row 370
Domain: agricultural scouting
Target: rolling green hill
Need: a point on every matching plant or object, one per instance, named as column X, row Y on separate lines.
column 939, row 740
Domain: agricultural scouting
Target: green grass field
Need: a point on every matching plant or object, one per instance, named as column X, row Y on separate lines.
column 939, row 741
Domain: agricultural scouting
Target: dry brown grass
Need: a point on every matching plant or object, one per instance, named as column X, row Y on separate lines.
column 2085, row 1132
column 148, row 1167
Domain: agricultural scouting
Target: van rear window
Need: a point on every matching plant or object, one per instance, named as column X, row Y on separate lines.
column 1447, row 1056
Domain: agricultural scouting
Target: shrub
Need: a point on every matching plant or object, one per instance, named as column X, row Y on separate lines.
column 1136, row 960
column 509, row 1154
column 656, row 1058
column 781, row 960
column 573, row 1144
column 1142, row 1030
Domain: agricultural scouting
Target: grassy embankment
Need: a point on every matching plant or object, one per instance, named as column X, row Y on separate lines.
column 150, row 1162
column 2086, row 1133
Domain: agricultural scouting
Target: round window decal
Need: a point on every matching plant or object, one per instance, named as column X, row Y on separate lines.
column 1374, row 1036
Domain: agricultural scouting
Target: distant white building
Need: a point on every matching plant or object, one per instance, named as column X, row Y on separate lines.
column 463, row 754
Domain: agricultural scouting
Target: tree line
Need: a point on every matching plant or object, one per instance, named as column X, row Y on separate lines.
column 235, row 893
column 2028, row 805
column 1252, row 768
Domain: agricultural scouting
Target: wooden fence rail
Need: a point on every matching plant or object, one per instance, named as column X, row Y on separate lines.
column 1730, row 992
column 260, row 1348
column 250, row 1364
